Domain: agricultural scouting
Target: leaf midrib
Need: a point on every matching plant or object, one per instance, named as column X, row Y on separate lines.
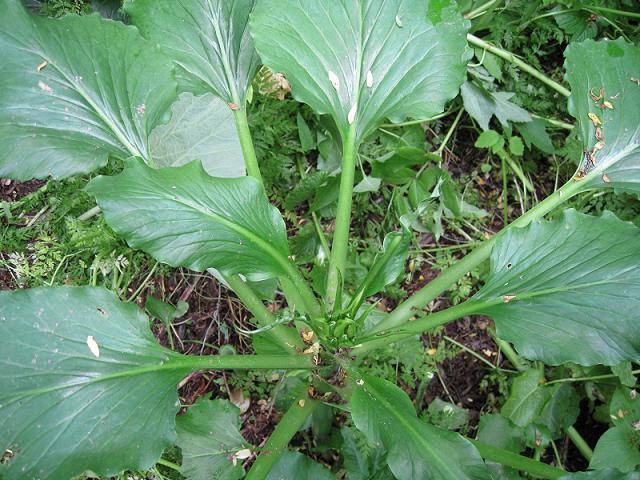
column 402, row 419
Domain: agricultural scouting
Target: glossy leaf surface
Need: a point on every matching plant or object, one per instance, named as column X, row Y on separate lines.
column 208, row 40
column 184, row 217
column 201, row 128
column 209, row 437
column 567, row 290
column 416, row 450
column 610, row 67
column 299, row 466
column 364, row 61
column 74, row 91
column 83, row 385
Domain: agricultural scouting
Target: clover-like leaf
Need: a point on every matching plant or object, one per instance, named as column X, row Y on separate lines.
column 201, row 128
column 567, row 290
column 208, row 40
column 366, row 60
column 605, row 93
column 184, row 217
column 83, row 385
column 74, row 91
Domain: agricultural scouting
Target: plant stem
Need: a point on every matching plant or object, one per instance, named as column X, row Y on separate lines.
column 449, row 133
column 167, row 463
column 286, row 338
column 89, row 214
column 513, row 460
column 480, row 10
column 288, row 426
column 589, row 379
column 510, row 57
column 554, row 122
column 613, row 11
column 340, row 244
column 509, row 352
column 243, row 362
column 505, row 191
column 580, row 443
column 417, row 122
column 248, row 151
column 450, row 276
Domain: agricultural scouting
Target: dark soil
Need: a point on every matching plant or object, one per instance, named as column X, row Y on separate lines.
column 11, row 191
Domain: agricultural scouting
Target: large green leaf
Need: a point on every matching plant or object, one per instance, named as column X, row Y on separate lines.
column 208, row 40
column 74, row 91
column 612, row 66
column 567, row 290
column 210, row 439
column 387, row 266
column 607, row 474
column 184, row 217
column 295, row 465
column 619, row 447
column 527, row 399
column 83, row 385
column 201, row 128
column 367, row 60
column 416, row 450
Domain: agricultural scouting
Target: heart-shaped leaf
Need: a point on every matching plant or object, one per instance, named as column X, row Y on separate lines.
column 75, row 91
column 567, row 290
column 184, row 217
column 201, row 128
column 208, row 40
column 416, row 450
column 83, row 385
column 605, row 94
column 367, row 60
column 209, row 437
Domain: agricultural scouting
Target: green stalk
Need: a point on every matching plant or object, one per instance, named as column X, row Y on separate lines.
column 288, row 426
column 513, row 460
column 511, row 58
column 450, row 276
column 613, row 11
column 449, row 133
column 338, row 261
column 284, row 337
column 248, row 151
column 481, row 10
column 239, row 362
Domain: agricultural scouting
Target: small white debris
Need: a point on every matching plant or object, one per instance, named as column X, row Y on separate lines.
column 93, row 346
column 335, row 81
column 41, row 66
column 243, row 454
column 141, row 109
column 360, row 382
column 44, row 86
column 352, row 114
column 398, row 21
column 369, row 79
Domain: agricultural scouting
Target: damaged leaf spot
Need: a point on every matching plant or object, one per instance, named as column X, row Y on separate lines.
column 7, row 456
column 598, row 97
column 301, row 402
column 234, row 106
column 44, row 86
column 508, row 298
column 605, row 178
column 399, row 21
column 635, row 80
column 369, row 79
column 141, row 109
column 335, row 81
column 93, row 346
column 352, row 114
column 41, row 66
column 102, row 311
column 595, row 119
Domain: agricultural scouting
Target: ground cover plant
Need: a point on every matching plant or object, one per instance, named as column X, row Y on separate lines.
column 156, row 101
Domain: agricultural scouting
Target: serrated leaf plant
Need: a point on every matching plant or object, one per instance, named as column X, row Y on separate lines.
column 84, row 386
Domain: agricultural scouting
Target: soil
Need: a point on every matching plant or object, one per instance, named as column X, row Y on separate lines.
column 11, row 191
